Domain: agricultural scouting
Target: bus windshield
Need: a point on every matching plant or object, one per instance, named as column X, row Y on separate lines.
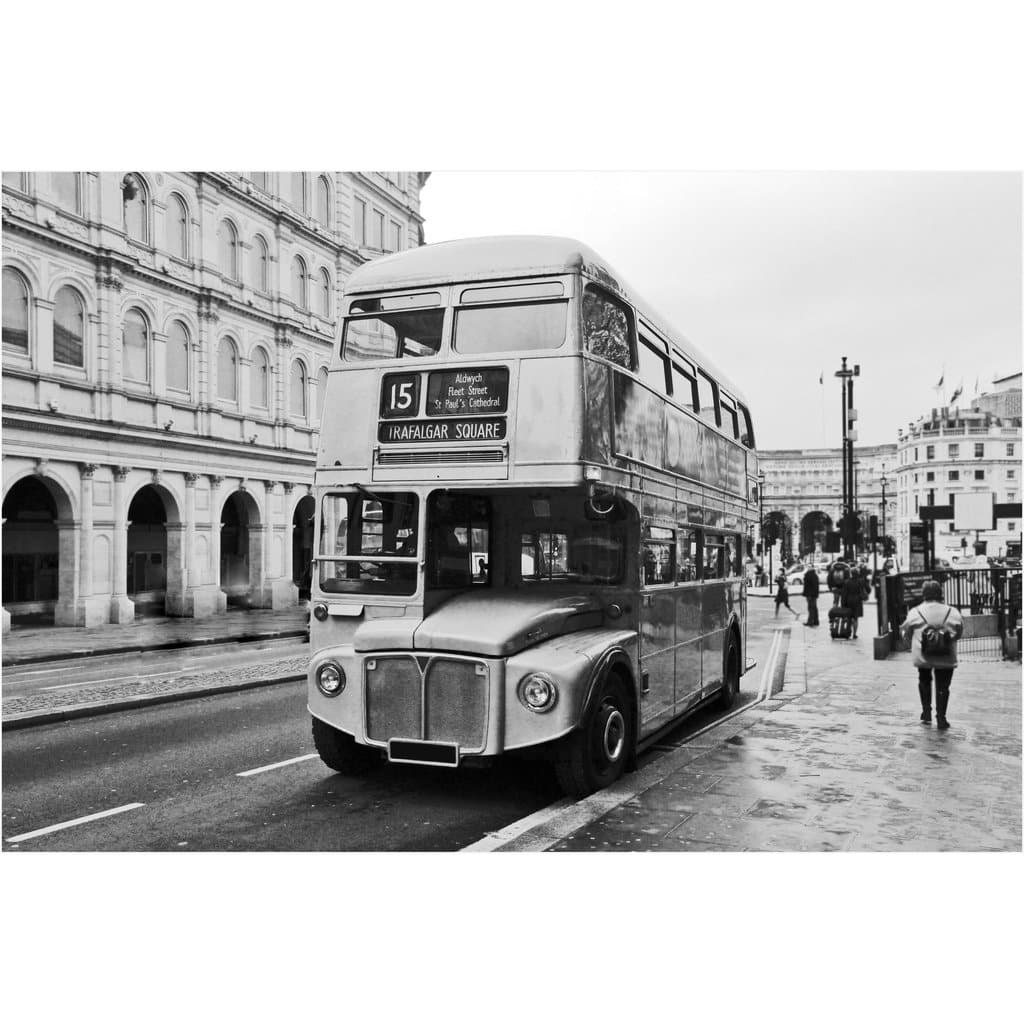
column 368, row 544
column 524, row 327
column 397, row 335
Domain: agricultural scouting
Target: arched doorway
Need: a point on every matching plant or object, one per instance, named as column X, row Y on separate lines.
column 813, row 528
column 147, row 552
column 241, row 550
column 302, row 545
column 31, row 560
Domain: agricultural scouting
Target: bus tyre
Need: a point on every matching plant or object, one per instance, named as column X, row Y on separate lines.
column 731, row 682
column 339, row 751
column 595, row 755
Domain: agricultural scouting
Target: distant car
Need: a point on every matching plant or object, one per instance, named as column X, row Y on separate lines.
column 795, row 576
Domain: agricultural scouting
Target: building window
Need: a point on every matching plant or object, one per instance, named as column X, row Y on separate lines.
column 1011, row 474
column 135, row 199
column 298, row 390
column 395, row 237
column 66, row 191
column 260, row 265
column 915, row 455
column 69, row 328
column 323, row 201
column 177, row 227
column 954, row 451
column 260, row 379
column 260, row 180
column 177, row 356
column 321, row 391
column 359, row 221
column 929, row 452
column 16, row 179
column 1011, row 526
column 227, row 371
column 227, row 238
column 929, row 477
column 979, row 450
column 954, row 474
column 324, row 292
column 979, row 474
column 299, row 282
column 915, row 503
column 1009, row 450
column 377, row 230
column 15, row 298
column 297, row 186
column 135, row 364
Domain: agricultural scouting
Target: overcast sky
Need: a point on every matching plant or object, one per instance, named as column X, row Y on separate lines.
column 778, row 275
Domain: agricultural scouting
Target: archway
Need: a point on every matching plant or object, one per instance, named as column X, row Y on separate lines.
column 31, row 559
column 147, row 552
column 813, row 528
column 241, row 550
column 302, row 545
column 778, row 534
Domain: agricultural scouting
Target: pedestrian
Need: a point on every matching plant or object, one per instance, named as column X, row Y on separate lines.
column 837, row 574
column 852, row 599
column 782, row 593
column 934, row 628
column 811, row 590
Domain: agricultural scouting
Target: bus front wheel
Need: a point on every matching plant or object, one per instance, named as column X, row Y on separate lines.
column 595, row 755
column 340, row 752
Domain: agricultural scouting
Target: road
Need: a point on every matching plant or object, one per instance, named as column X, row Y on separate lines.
column 237, row 771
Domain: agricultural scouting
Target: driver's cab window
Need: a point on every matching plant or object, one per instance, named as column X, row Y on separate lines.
column 458, row 540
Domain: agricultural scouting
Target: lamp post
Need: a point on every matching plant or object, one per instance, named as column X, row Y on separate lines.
column 760, row 495
column 849, row 436
column 884, row 482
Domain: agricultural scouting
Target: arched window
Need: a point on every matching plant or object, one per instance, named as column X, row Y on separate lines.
column 260, row 264
column 65, row 186
column 321, row 391
column 323, row 201
column 260, row 379
column 135, row 198
column 135, row 353
column 15, row 311
column 297, row 184
column 259, row 179
column 299, row 282
column 227, row 371
column 298, row 390
column 228, row 239
column 324, row 293
column 177, row 356
column 177, row 227
column 69, row 328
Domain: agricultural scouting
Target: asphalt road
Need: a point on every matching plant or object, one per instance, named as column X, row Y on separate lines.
column 237, row 772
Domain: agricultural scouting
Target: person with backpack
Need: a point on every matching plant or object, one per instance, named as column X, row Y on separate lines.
column 935, row 628
column 837, row 573
column 851, row 597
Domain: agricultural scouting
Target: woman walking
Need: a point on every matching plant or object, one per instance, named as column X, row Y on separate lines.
column 782, row 593
column 851, row 597
column 935, row 628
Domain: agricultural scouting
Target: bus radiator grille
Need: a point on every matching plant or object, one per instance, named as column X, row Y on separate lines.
column 447, row 704
column 418, row 458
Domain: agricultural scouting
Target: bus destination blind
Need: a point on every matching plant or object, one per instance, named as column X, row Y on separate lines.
column 467, row 392
column 412, row 431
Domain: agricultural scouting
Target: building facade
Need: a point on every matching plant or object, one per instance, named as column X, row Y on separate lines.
column 961, row 450
column 166, row 338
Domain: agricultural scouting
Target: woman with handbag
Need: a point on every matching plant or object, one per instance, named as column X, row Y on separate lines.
column 935, row 628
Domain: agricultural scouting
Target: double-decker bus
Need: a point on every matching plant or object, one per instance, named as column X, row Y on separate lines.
column 533, row 504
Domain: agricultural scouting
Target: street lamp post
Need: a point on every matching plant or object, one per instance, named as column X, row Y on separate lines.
column 760, row 495
column 849, row 436
column 884, row 482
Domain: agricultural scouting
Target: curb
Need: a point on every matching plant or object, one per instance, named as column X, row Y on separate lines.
column 85, row 652
column 28, row 719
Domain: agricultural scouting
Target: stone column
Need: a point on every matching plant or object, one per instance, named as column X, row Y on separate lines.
column 67, row 586
column 288, row 569
column 202, row 599
column 216, row 501
column 191, row 574
column 90, row 610
column 122, row 608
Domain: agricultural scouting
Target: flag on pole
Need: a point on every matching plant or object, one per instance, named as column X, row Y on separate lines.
column 941, row 379
column 957, row 394
column 821, row 378
column 976, row 381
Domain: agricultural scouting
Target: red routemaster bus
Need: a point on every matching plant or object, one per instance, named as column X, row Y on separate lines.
column 533, row 503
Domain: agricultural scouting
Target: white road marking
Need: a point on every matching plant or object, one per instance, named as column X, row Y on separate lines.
column 271, row 767
column 493, row 840
column 764, row 689
column 70, row 824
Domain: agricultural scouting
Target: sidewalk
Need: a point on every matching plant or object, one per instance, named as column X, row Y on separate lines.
column 51, row 645
column 836, row 761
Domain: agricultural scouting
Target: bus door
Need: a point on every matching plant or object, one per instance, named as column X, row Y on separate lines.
column 715, row 608
column 658, row 622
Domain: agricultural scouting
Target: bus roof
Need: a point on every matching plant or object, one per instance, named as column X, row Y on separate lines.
column 499, row 256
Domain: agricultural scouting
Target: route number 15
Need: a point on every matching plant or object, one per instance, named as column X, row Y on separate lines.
column 400, row 395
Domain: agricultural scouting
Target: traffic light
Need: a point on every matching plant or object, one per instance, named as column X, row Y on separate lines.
column 873, row 529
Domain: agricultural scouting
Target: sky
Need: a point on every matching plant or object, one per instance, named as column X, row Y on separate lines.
column 915, row 276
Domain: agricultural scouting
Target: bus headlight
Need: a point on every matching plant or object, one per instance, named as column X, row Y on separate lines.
column 538, row 692
column 330, row 679
column 320, row 612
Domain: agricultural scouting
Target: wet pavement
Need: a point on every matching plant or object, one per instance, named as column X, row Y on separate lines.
column 837, row 761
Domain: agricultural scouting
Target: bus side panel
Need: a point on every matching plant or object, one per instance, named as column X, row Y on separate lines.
column 349, row 423
column 597, row 439
column 688, row 655
column 639, row 422
column 549, row 392
column 715, row 616
column 657, row 657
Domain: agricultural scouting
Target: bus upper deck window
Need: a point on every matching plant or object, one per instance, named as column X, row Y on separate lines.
column 652, row 363
column 684, row 387
column 607, row 328
column 730, row 422
column 747, row 431
column 392, row 335
column 708, row 399
column 523, row 327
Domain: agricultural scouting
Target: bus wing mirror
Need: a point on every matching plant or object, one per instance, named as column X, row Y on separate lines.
column 603, row 505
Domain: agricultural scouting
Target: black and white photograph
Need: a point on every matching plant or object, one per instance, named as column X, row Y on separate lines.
column 358, row 524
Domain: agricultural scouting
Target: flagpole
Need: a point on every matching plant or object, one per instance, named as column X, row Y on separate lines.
column 821, row 381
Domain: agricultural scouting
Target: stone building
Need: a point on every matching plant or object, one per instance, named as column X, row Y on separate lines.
column 166, row 337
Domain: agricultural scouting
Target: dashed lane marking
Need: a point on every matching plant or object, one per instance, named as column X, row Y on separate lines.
column 271, row 767
column 71, row 824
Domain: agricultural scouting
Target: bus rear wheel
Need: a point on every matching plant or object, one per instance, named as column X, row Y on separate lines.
column 340, row 752
column 595, row 755
column 731, row 682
